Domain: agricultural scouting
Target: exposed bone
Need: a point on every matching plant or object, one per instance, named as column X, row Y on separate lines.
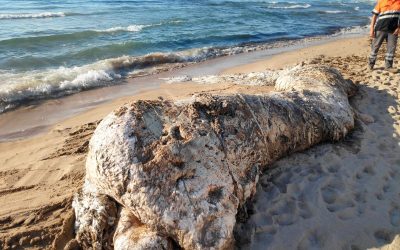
column 180, row 171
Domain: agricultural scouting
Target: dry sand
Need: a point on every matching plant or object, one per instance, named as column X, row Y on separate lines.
column 345, row 195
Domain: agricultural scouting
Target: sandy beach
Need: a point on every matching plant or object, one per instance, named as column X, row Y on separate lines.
column 334, row 196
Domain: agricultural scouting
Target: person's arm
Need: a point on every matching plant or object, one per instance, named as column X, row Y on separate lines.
column 375, row 13
column 397, row 31
column 372, row 29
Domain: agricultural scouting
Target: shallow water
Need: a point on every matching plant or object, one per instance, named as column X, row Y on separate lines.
column 53, row 48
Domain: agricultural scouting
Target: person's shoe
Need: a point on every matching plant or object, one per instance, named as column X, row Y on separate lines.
column 371, row 66
column 389, row 67
column 371, row 63
column 388, row 64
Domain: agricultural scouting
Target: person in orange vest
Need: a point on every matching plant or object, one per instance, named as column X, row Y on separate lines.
column 385, row 25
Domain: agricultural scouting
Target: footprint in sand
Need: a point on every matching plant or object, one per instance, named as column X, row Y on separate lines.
column 354, row 247
column 315, row 173
column 379, row 196
column 348, row 213
column 342, row 205
column 383, row 236
column 383, row 147
column 366, row 171
column 369, row 170
column 268, row 230
column 313, row 239
column 334, row 168
column 305, row 211
column 386, row 188
column 285, row 219
column 360, row 197
column 394, row 215
column 262, row 241
column 284, row 212
column 264, row 222
column 281, row 181
column 329, row 194
column 394, row 172
column 336, row 203
column 330, row 191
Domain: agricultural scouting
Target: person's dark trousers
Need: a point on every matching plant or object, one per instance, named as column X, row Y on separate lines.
column 391, row 39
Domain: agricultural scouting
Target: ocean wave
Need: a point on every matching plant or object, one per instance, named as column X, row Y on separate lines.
column 20, row 88
column 137, row 27
column 43, row 40
column 29, row 41
column 355, row 30
column 290, row 5
column 33, row 15
column 333, row 11
column 22, row 42
column 130, row 28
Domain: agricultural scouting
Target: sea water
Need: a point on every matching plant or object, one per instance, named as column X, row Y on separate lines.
column 51, row 48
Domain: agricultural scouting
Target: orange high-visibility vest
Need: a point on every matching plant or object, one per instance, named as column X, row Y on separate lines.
column 384, row 7
column 388, row 12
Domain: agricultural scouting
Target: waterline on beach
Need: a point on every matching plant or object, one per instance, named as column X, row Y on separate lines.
column 21, row 88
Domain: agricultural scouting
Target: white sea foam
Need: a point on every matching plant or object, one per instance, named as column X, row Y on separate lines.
column 294, row 6
column 18, row 88
column 32, row 15
column 356, row 30
column 130, row 28
column 137, row 27
column 88, row 79
column 266, row 78
column 35, row 85
column 177, row 79
column 334, row 11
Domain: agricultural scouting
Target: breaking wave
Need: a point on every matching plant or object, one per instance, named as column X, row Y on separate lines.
column 289, row 6
column 32, row 15
column 333, row 11
column 130, row 28
column 20, row 88
column 136, row 27
column 355, row 30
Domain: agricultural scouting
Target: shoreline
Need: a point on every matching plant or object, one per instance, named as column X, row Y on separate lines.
column 37, row 119
column 110, row 72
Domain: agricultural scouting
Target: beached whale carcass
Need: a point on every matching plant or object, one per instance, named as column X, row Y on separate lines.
column 161, row 174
